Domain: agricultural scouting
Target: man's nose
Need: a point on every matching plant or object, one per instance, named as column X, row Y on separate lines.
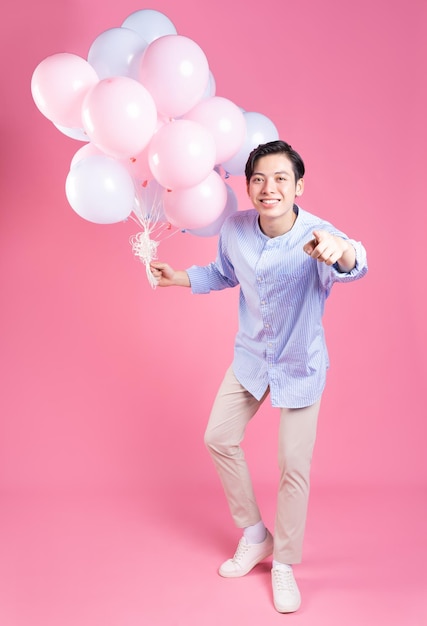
column 268, row 185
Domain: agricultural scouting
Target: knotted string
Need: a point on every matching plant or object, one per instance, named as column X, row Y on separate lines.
column 145, row 249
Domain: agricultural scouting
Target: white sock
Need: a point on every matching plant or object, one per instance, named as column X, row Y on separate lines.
column 256, row 533
column 282, row 566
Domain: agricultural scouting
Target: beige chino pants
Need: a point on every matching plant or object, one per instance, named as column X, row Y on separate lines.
column 232, row 410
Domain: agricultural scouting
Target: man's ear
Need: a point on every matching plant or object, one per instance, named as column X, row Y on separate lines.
column 299, row 187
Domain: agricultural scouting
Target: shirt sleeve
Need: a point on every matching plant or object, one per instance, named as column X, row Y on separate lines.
column 330, row 274
column 215, row 276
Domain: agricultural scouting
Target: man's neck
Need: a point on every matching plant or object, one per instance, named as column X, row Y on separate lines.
column 272, row 227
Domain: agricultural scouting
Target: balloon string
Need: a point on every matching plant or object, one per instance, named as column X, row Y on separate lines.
column 145, row 243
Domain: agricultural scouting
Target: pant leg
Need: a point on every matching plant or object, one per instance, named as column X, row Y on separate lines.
column 232, row 410
column 297, row 435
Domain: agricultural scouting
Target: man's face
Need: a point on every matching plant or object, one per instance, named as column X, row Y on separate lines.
column 272, row 189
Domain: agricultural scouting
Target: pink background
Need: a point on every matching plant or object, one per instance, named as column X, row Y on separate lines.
column 107, row 384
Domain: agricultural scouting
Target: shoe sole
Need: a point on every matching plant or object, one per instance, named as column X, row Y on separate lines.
column 290, row 609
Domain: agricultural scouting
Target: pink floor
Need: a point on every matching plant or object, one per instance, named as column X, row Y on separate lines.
column 98, row 560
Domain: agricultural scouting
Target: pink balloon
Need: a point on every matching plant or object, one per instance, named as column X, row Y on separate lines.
column 59, row 84
column 175, row 70
column 197, row 206
column 225, row 121
column 213, row 229
column 119, row 116
column 138, row 167
column 181, row 154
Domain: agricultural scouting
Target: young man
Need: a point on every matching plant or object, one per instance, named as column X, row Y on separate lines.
column 285, row 261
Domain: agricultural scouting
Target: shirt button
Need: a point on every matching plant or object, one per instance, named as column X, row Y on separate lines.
column 266, row 325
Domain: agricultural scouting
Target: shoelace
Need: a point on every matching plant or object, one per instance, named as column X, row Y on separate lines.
column 242, row 548
column 284, row 581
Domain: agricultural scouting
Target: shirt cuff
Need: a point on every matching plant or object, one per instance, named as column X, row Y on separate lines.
column 199, row 282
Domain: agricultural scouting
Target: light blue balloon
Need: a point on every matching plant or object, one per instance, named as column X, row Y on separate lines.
column 259, row 129
column 117, row 52
column 150, row 24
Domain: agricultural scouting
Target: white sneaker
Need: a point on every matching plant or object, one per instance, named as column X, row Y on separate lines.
column 286, row 595
column 246, row 557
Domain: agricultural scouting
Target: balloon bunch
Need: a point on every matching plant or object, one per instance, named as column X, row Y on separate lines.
column 156, row 135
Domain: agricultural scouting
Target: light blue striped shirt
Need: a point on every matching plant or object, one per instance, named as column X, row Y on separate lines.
column 280, row 341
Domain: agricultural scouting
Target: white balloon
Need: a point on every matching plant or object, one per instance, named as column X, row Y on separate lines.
column 100, row 190
column 89, row 149
column 150, row 24
column 210, row 90
column 74, row 133
column 117, row 52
